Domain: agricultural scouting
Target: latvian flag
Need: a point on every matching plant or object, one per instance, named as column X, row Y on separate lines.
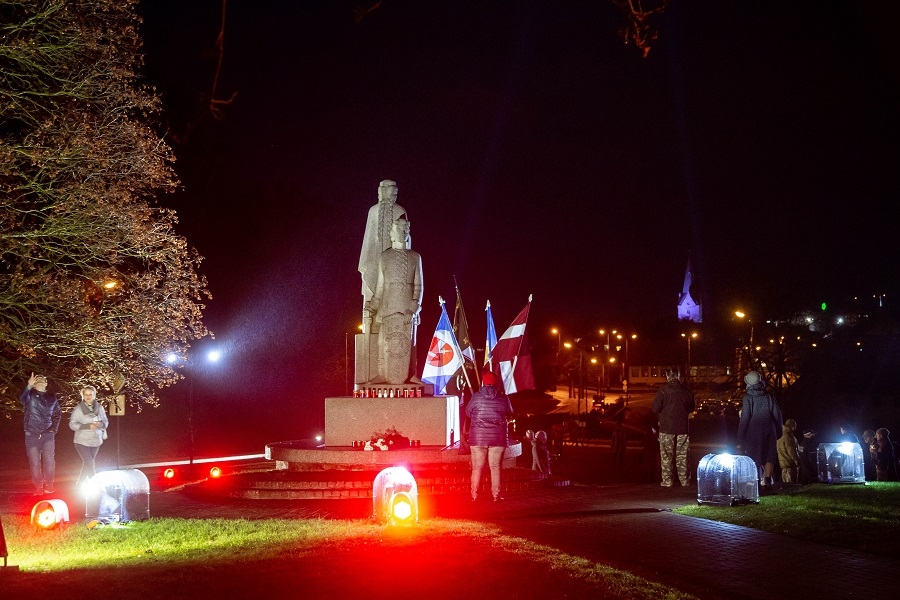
column 444, row 356
column 510, row 359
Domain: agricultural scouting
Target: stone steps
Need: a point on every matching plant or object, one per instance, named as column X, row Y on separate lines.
column 333, row 484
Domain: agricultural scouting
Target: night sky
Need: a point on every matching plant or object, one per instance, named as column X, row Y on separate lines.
column 535, row 153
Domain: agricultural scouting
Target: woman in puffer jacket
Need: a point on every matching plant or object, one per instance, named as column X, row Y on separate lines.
column 489, row 411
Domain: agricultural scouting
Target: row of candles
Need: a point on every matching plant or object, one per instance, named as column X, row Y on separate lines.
column 388, row 393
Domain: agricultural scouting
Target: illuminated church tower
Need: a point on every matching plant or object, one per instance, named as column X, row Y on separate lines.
column 688, row 310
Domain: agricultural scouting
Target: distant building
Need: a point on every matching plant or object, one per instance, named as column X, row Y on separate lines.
column 688, row 309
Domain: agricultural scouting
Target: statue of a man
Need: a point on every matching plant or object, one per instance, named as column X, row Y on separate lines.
column 395, row 305
column 377, row 239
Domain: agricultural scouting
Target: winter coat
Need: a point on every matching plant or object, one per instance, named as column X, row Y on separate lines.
column 80, row 422
column 489, row 412
column 885, row 461
column 42, row 412
column 759, row 425
column 788, row 450
column 674, row 404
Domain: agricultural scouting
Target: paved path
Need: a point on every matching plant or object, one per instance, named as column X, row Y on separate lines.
column 629, row 526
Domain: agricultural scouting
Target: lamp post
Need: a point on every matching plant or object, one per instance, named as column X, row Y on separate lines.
column 689, row 337
column 608, row 361
column 556, row 332
column 189, row 363
column 568, row 346
column 741, row 315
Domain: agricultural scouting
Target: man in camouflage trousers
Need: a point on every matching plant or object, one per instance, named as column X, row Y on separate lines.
column 674, row 404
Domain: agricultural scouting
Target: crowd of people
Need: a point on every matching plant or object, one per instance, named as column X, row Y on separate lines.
column 782, row 451
column 763, row 434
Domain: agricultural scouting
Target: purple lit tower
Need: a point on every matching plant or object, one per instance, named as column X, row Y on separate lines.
column 688, row 309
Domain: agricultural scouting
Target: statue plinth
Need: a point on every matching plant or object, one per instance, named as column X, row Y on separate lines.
column 433, row 420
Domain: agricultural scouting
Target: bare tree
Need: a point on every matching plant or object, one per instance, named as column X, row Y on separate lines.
column 95, row 285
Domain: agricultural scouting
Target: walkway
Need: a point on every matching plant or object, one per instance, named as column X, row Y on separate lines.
column 629, row 526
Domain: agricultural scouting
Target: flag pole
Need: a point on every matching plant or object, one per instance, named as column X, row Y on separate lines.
column 521, row 338
column 461, row 355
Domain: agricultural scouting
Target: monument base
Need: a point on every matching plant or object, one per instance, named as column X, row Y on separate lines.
column 432, row 420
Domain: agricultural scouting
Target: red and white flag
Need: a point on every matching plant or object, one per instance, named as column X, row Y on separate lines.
column 510, row 360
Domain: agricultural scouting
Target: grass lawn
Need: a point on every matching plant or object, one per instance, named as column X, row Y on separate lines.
column 859, row 517
column 309, row 558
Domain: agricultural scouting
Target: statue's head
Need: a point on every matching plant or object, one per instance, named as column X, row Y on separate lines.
column 400, row 232
column 387, row 190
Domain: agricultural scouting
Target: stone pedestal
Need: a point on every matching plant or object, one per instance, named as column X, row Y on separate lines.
column 433, row 420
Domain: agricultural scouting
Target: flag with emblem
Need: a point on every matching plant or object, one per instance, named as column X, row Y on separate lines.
column 510, row 358
column 444, row 356
column 468, row 374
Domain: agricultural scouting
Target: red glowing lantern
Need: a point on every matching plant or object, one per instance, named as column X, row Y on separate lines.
column 48, row 514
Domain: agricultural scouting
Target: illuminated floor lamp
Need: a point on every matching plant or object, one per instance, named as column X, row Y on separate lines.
column 395, row 497
column 117, row 496
column 727, row 480
column 840, row 462
column 49, row 514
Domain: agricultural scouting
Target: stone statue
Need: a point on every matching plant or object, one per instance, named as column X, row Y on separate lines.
column 377, row 238
column 394, row 307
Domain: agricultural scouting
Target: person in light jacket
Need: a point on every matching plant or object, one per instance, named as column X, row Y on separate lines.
column 789, row 453
column 89, row 422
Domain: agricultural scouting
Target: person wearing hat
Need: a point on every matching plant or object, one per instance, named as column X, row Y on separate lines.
column 758, row 428
column 789, row 453
column 489, row 412
column 42, row 417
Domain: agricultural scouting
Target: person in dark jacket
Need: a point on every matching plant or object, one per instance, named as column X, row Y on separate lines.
column 846, row 434
column 42, row 417
column 489, row 411
column 674, row 403
column 868, row 449
column 885, row 457
column 759, row 427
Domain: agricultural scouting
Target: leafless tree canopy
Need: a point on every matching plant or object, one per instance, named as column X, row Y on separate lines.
column 95, row 284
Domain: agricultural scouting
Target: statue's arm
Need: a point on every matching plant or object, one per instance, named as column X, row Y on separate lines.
column 418, row 287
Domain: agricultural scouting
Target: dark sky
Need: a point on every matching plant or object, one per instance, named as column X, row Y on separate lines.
column 535, row 153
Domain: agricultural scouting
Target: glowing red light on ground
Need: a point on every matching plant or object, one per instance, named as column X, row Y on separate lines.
column 402, row 509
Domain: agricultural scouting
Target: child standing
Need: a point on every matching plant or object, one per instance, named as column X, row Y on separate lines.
column 789, row 453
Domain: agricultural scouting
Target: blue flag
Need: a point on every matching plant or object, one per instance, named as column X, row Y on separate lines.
column 491, row 335
column 444, row 356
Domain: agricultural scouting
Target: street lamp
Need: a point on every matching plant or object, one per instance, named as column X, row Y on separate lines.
column 741, row 315
column 689, row 338
column 608, row 361
column 556, row 332
column 212, row 356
